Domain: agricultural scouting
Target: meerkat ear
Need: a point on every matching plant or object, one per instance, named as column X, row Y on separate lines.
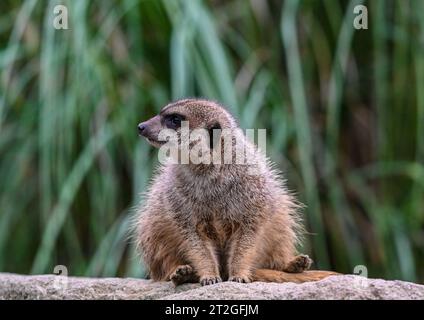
column 214, row 134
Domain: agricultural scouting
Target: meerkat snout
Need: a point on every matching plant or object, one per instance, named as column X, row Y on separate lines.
column 150, row 130
column 141, row 127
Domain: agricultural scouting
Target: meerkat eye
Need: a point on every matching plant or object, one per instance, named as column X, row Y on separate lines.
column 173, row 121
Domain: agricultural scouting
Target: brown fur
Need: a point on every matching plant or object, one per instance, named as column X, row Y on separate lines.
column 212, row 222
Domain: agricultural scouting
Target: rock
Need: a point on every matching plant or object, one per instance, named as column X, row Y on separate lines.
column 14, row 286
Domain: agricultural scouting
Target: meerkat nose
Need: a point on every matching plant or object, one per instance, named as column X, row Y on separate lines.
column 141, row 128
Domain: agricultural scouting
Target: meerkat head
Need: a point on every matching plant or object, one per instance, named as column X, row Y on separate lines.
column 200, row 133
column 195, row 113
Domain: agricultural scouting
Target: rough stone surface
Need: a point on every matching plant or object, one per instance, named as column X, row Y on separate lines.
column 14, row 286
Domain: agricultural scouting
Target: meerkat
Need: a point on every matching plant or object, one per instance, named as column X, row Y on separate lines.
column 218, row 222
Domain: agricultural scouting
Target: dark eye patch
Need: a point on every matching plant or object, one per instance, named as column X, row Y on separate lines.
column 213, row 139
column 173, row 121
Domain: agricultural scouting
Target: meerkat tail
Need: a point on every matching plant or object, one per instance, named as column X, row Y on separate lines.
column 268, row 275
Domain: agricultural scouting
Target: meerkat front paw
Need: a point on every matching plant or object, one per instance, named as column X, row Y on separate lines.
column 182, row 274
column 299, row 264
column 239, row 279
column 208, row 280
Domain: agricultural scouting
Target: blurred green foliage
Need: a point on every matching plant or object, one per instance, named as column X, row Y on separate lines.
column 343, row 109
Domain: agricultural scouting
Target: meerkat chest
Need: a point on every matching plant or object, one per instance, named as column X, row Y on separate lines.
column 216, row 229
column 218, row 206
column 209, row 197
